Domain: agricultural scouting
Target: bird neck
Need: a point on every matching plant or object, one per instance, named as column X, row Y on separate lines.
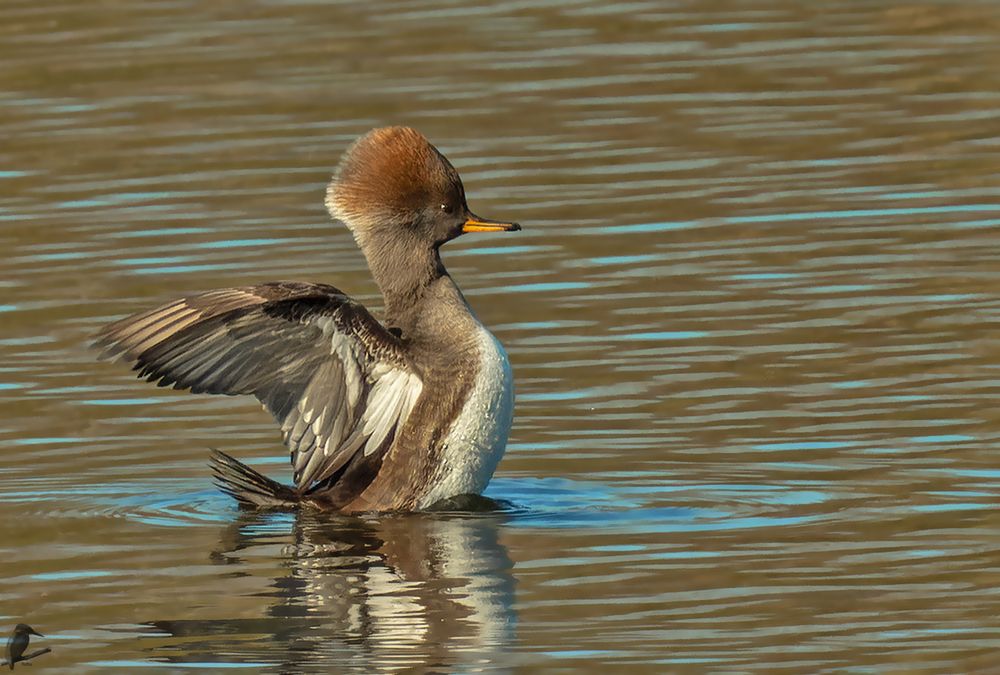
column 403, row 272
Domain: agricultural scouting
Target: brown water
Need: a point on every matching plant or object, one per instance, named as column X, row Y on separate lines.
column 753, row 318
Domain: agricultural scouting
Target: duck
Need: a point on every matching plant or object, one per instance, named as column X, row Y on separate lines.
column 378, row 416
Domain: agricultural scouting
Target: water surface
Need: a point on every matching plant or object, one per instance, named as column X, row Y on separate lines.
column 753, row 320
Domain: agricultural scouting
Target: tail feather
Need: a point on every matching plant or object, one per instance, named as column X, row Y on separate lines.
column 247, row 486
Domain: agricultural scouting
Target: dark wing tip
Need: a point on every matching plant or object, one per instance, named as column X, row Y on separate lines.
column 106, row 342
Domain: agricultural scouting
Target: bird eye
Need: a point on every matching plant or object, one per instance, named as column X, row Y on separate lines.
column 447, row 208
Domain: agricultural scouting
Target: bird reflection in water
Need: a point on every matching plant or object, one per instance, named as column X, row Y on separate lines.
column 424, row 590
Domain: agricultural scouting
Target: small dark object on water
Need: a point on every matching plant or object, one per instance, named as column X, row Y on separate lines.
column 18, row 642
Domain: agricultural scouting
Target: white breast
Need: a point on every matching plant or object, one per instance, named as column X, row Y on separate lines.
column 478, row 436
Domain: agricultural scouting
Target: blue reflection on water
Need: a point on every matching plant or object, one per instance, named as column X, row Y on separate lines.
column 75, row 574
column 943, row 438
column 122, row 401
column 654, row 508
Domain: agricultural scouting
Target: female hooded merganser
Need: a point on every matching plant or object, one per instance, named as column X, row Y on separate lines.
column 378, row 417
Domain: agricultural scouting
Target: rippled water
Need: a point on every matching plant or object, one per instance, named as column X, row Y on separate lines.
column 753, row 318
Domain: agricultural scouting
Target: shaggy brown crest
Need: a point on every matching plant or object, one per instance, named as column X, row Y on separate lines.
column 388, row 176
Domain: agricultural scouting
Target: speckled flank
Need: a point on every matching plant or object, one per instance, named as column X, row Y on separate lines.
column 478, row 436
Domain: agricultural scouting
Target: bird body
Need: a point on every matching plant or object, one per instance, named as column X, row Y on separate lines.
column 18, row 642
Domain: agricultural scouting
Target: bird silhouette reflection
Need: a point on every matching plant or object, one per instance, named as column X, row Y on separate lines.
column 426, row 590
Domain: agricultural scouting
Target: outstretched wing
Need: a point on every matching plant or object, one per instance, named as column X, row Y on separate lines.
column 334, row 378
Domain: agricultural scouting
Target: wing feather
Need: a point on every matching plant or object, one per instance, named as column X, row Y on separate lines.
column 336, row 381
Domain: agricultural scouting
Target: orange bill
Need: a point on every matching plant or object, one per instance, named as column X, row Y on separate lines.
column 476, row 224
